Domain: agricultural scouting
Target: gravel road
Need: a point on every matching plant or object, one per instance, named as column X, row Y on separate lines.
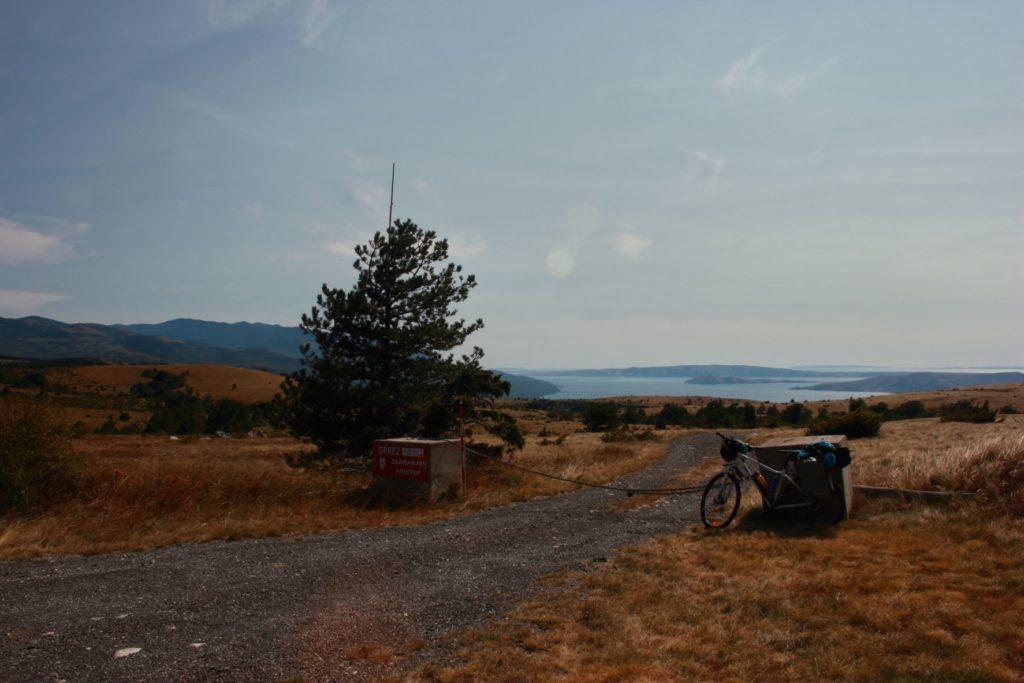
column 297, row 606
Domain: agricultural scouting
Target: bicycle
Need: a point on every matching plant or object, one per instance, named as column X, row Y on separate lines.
column 721, row 499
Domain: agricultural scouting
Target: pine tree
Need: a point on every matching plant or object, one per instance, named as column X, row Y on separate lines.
column 381, row 361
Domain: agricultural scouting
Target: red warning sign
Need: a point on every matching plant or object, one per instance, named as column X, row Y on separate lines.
column 401, row 461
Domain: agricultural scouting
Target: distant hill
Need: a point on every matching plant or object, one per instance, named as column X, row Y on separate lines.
column 528, row 387
column 716, row 379
column 176, row 341
column 238, row 336
column 42, row 338
column 921, row 381
column 736, row 371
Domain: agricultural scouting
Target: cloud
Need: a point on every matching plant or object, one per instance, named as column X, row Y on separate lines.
column 311, row 17
column 747, row 73
column 228, row 14
column 254, row 210
column 342, row 247
column 460, row 246
column 793, row 83
column 59, row 225
column 560, row 262
column 318, row 17
column 19, row 301
column 703, row 169
column 631, row 245
column 20, row 244
column 425, row 189
column 372, row 197
column 357, row 161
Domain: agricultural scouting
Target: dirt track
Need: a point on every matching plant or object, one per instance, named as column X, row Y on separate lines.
column 295, row 607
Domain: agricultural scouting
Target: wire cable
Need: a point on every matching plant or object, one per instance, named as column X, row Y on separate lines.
column 628, row 490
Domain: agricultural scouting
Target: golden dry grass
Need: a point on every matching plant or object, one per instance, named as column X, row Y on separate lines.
column 216, row 381
column 137, row 492
column 898, row 592
column 926, row 453
column 935, row 596
column 998, row 395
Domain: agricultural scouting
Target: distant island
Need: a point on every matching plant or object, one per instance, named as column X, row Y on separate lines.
column 716, row 379
column 920, row 381
column 528, row 387
column 736, row 371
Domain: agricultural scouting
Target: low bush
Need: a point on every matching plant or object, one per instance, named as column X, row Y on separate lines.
column 966, row 411
column 908, row 410
column 36, row 460
column 854, row 425
column 599, row 416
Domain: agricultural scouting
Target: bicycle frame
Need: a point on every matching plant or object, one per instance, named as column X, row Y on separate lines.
column 771, row 499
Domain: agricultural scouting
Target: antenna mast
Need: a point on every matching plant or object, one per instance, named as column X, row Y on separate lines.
column 391, row 205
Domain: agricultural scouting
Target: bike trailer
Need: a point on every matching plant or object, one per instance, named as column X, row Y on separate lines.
column 812, row 463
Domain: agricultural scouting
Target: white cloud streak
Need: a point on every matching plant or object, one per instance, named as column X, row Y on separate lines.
column 20, row 244
column 311, row 17
column 748, row 74
column 745, row 71
column 342, row 247
column 318, row 18
column 789, row 85
column 19, row 301
column 466, row 246
column 631, row 245
column 372, row 197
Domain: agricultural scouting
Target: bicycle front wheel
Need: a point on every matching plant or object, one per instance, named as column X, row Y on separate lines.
column 721, row 501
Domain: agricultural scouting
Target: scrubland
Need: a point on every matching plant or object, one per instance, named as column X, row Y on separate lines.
column 900, row 591
column 133, row 492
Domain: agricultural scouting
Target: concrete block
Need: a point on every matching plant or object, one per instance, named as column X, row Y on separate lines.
column 418, row 470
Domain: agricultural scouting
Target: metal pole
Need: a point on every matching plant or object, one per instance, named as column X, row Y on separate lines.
column 391, row 205
column 462, row 442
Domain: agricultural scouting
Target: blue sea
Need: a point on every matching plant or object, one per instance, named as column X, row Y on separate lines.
column 784, row 390
column 571, row 386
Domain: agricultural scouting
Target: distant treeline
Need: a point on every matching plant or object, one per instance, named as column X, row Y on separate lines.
column 860, row 419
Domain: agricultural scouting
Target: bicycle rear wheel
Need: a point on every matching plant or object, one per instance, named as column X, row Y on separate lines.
column 720, row 502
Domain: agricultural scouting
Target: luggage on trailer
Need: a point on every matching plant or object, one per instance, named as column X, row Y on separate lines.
column 814, row 468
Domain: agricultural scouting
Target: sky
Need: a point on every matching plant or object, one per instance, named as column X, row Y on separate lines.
column 633, row 183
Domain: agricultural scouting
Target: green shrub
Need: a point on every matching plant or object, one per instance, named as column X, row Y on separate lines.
column 634, row 414
column 599, row 416
column 673, row 414
column 795, row 414
column 966, row 411
column 853, row 425
column 907, row 410
column 36, row 460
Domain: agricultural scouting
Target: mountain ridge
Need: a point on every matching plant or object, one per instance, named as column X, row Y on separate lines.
column 43, row 339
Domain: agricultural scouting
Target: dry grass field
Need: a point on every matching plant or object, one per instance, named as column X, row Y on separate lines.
column 899, row 592
column 137, row 492
column 216, row 381
column 997, row 395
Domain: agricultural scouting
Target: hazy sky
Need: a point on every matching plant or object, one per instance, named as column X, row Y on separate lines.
column 632, row 183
